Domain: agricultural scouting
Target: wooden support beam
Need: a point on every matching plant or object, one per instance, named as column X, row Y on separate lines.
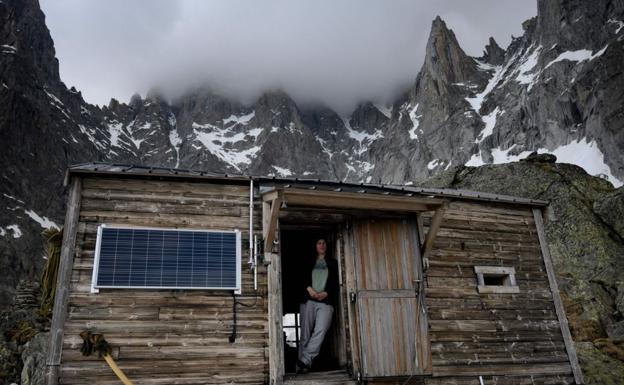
column 354, row 200
column 269, row 222
column 61, row 299
column 554, row 288
column 276, row 339
column 421, row 230
column 427, row 246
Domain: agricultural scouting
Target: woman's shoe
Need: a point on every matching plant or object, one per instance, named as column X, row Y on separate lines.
column 302, row 368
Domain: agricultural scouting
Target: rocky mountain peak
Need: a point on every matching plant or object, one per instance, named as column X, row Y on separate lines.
column 444, row 58
column 367, row 118
column 276, row 108
column 135, row 101
column 493, row 53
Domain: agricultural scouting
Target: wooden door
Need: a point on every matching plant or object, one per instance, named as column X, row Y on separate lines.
column 390, row 315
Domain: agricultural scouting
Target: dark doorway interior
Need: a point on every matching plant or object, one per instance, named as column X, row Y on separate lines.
column 298, row 248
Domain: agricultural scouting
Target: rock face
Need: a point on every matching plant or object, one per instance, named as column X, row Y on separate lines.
column 553, row 89
column 34, row 358
column 585, row 245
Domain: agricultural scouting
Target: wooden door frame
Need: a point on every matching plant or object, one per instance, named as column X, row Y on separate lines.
column 273, row 260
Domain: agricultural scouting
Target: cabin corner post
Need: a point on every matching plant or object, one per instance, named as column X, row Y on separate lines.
column 554, row 288
column 59, row 313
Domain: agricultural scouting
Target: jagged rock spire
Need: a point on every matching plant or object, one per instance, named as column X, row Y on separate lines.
column 444, row 58
column 493, row 53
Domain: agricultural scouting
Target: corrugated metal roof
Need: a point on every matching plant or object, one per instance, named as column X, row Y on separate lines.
column 307, row 183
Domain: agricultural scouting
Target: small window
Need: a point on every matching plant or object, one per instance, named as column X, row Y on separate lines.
column 496, row 279
column 292, row 328
column 154, row 258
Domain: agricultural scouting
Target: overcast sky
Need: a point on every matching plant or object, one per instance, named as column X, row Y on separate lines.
column 336, row 52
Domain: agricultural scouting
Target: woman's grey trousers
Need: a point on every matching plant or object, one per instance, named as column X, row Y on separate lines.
column 316, row 318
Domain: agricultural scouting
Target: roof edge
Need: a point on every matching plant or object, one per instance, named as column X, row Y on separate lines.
column 103, row 168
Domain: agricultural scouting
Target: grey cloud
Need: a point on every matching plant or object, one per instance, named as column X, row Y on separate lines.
column 335, row 52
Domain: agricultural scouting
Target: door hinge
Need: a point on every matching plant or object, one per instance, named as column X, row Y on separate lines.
column 352, row 297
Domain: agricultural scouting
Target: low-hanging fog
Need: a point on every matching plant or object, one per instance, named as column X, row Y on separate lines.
column 334, row 52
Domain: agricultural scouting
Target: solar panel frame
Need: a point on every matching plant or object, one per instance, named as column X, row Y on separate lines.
column 95, row 287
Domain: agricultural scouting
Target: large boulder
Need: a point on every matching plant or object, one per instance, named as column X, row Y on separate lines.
column 34, row 359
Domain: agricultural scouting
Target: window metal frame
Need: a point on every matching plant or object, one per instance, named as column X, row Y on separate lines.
column 98, row 245
column 296, row 326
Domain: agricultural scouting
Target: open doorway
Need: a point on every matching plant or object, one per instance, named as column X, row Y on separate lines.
column 298, row 251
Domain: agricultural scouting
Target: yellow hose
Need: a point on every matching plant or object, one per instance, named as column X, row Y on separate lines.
column 116, row 369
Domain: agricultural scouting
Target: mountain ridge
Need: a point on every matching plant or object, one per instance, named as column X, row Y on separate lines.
column 552, row 89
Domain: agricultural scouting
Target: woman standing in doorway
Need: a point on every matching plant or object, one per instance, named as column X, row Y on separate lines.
column 317, row 307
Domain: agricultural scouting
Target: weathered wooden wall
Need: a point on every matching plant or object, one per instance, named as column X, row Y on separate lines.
column 507, row 338
column 181, row 337
column 165, row 336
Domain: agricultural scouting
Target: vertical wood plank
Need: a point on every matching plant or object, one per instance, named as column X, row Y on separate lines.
column 342, row 353
column 423, row 348
column 63, row 283
column 350, row 268
column 554, row 288
column 274, row 290
column 276, row 343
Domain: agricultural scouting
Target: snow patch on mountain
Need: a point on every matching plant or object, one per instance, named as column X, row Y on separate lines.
column 44, row 222
column 433, row 164
column 17, row 233
column 114, row 130
column 476, row 160
column 477, row 100
column 326, row 150
column 490, row 123
column 56, row 102
column 577, row 56
column 415, row 123
column 582, row 153
column 587, row 155
column 90, row 133
column 176, row 141
column 526, row 71
column 244, row 119
column 13, row 198
column 363, row 138
column 137, row 142
column 10, row 49
column 219, row 142
column 618, row 23
column 284, row 172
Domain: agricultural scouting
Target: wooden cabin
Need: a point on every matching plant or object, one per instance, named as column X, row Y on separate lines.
column 437, row 286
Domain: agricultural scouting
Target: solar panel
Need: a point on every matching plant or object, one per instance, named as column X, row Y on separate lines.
column 151, row 258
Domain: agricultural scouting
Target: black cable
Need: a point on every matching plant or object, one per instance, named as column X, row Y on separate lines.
column 232, row 337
